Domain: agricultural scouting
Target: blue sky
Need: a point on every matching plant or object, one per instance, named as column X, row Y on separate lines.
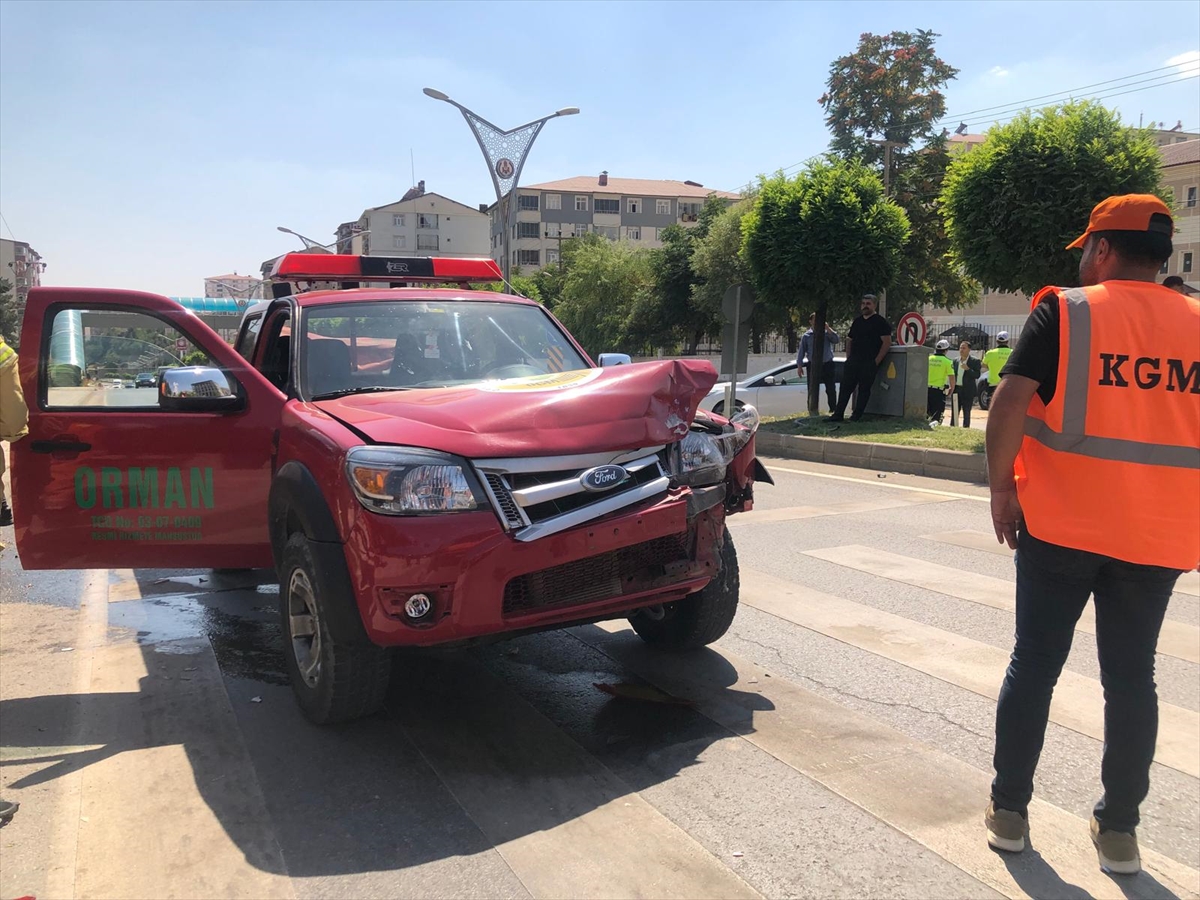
column 147, row 145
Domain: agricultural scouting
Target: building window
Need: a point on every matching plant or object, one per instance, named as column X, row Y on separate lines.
column 633, row 234
column 689, row 212
column 608, row 206
column 399, row 242
column 633, row 206
column 527, row 202
column 662, row 207
column 529, row 229
column 552, row 229
column 554, row 201
column 581, row 229
column 529, row 257
column 427, row 241
column 424, row 220
column 612, row 232
column 581, row 203
column 551, row 256
column 398, row 220
column 1187, row 263
column 1163, row 270
column 1191, row 201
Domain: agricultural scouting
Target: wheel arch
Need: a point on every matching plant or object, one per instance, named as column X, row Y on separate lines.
column 296, row 504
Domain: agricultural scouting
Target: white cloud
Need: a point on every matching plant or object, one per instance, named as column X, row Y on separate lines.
column 998, row 72
column 1187, row 64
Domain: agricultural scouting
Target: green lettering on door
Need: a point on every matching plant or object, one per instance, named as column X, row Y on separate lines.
column 174, row 494
column 110, row 488
column 85, row 487
column 143, row 488
column 201, row 481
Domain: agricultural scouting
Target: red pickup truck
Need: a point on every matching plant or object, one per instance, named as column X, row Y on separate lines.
column 420, row 465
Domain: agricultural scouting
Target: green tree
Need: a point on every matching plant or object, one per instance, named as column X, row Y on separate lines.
column 891, row 89
column 606, row 293
column 677, row 280
column 820, row 240
column 1013, row 205
column 522, row 285
column 10, row 315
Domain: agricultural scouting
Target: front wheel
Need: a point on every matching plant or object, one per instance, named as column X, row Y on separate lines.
column 334, row 679
column 985, row 397
column 699, row 619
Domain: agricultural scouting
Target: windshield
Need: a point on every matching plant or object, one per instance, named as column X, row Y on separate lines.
column 356, row 347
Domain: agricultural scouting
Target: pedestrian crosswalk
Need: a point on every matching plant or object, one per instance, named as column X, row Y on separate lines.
column 503, row 771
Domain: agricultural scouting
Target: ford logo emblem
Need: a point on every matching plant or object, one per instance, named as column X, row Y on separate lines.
column 603, row 478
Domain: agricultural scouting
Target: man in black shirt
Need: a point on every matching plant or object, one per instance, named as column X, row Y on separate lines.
column 867, row 344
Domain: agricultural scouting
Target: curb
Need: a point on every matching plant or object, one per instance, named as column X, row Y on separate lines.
column 954, row 465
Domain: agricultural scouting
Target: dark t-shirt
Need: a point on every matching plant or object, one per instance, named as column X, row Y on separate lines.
column 1036, row 353
column 866, row 337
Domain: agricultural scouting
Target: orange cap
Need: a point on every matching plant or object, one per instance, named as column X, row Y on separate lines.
column 1128, row 212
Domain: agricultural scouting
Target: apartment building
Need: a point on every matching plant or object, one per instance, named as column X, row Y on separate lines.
column 234, row 287
column 21, row 266
column 1181, row 175
column 1174, row 135
column 418, row 224
column 629, row 209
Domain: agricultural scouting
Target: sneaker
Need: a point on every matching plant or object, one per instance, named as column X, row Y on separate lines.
column 1118, row 850
column 5, row 515
column 835, row 418
column 1006, row 830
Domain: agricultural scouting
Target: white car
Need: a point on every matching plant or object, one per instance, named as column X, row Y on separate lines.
column 780, row 391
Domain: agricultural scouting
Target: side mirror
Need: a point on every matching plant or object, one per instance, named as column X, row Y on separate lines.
column 615, row 359
column 770, row 379
column 198, row 389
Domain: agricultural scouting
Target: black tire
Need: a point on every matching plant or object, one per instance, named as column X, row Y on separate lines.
column 344, row 679
column 701, row 618
column 985, row 398
column 738, row 405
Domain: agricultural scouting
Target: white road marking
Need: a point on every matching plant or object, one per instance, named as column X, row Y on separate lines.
column 974, row 666
column 879, row 482
column 924, row 793
column 1176, row 638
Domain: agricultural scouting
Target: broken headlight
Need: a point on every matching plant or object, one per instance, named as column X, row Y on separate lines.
column 702, row 456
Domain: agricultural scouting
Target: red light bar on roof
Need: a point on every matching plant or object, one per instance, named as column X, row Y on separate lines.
column 341, row 267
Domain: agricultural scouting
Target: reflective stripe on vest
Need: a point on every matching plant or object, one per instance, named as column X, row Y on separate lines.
column 6, row 353
column 1072, row 438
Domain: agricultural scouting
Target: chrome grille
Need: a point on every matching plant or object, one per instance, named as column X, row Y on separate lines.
column 539, row 496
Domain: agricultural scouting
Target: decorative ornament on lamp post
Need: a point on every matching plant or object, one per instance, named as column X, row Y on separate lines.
column 505, row 153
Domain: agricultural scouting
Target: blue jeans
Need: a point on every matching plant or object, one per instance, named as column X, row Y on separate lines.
column 1053, row 586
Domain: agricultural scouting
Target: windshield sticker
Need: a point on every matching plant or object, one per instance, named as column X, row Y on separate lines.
column 554, row 359
column 556, row 381
column 141, row 489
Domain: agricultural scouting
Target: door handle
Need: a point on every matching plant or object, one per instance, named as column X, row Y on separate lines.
column 59, row 446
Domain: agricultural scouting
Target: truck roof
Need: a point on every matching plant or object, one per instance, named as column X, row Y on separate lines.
column 393, row 295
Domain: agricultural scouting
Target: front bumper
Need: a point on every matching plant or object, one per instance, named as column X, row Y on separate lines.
column 484, row 582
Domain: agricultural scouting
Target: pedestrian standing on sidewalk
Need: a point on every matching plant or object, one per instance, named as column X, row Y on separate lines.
column 867, row 344
column 941, row 381
column 804, row 354
column 1175, row 283
column 966, row 373
column 14, row 415
column 1093, row 444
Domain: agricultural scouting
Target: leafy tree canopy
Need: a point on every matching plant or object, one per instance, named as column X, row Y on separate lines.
column 1012, row 205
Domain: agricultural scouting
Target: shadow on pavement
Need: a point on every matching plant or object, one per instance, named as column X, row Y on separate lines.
column 475, row 748
column 1039, row 880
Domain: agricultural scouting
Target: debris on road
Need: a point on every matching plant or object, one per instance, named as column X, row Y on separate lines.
column 643, row 692
column 256, row 699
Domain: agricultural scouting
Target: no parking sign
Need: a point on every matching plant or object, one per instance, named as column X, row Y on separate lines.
column 911, row 330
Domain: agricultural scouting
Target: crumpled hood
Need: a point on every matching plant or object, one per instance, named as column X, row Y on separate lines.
column 584, row 411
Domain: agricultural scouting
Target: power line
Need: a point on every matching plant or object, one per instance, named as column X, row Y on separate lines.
column 1157, row 81
column 1070, row 91
column 9, row 227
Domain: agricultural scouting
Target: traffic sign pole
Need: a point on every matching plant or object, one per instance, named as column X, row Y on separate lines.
column 731, row 391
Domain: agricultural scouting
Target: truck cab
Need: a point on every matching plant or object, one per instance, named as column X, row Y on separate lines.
column 422, row 465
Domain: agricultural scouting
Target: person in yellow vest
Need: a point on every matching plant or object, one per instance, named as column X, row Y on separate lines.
column 14, row 415
column 941, row 381
column 992, row 364
column 1093, row 444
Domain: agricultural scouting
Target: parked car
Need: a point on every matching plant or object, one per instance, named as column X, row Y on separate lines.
column 421, row 467
column 779, row 391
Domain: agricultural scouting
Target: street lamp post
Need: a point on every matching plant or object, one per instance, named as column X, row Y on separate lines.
column 310, row 244
column 505, row 153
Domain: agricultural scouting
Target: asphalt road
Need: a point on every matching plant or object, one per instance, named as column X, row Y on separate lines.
column 836, row 743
